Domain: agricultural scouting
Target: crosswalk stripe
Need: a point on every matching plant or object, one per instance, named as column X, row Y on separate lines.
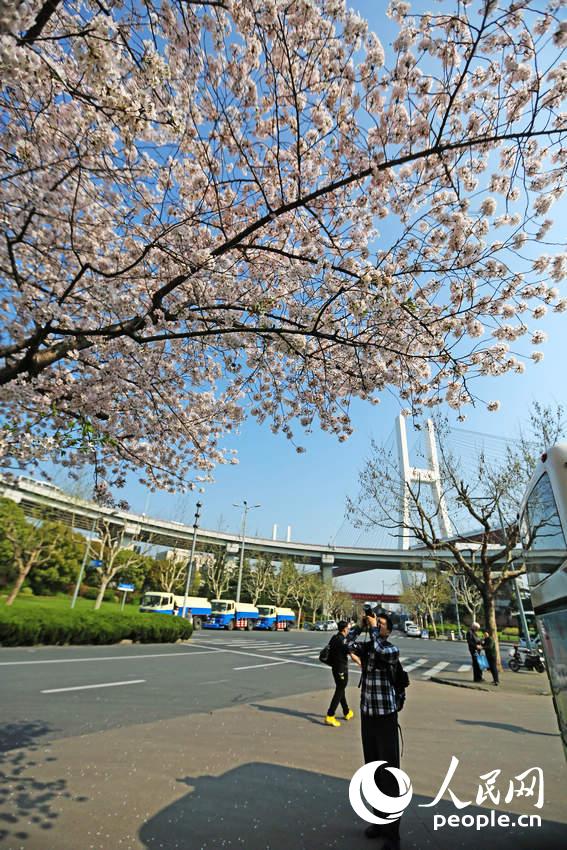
column 295, row 648
column 418, row 663
column 435, row 669
column 297, row 652
column 464, row 667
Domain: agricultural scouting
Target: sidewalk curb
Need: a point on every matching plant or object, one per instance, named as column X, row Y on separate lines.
column 472, row 687
column 453, row 684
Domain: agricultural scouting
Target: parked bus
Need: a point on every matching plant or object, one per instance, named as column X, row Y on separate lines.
column 272, row 618
column 162, row 602
column 543, row 525
column 228, row 614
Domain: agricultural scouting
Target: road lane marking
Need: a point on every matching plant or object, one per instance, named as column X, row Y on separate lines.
column 464, row 667
column 417, row 663
column 294, row 649
column 255, row 666
column 180, row 654
column 435, row 669
column 269, row 657
column 214, row 682
column 90, row 687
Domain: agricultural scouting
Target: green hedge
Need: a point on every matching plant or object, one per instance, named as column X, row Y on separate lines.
column 24, row 627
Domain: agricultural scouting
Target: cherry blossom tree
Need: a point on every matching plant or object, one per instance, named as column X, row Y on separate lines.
column 251, row 207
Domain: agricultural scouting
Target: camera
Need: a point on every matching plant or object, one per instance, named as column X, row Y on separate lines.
column 367, row 608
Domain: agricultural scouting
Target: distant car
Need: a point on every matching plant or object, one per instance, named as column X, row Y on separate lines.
column 413, row 631
column 308, row 627
column 325, row 626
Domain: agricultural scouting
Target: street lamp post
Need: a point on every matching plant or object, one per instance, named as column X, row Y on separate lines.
column 83, row 565
column 453, row 584
column 246, row 507
column 191, row 556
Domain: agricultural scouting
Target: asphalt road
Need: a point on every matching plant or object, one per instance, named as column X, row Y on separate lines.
column 79, row 690
column 219, row 743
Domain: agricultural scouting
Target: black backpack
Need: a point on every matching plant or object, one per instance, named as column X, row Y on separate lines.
column 400, row 680
column 325, row 654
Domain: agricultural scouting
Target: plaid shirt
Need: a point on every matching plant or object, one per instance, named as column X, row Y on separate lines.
column 377, row 693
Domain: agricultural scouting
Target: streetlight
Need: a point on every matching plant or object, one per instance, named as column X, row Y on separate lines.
column 454, row 581
column 83, row 565
column 190, row 563
column 246, row 508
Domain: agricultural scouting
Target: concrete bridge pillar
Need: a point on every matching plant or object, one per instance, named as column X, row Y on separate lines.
column 326, row 568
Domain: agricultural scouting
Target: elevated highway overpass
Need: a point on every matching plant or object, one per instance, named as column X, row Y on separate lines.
column 44, row 500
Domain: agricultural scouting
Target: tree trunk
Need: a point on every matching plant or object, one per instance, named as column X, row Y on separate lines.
column 490, row 623
column 19, row 581
column 433, row 626
column 101, row 591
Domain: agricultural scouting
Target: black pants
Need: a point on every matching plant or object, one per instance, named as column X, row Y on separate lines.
column 477, row 672
column 341, row 681
column 492, row 665
column 380, row 743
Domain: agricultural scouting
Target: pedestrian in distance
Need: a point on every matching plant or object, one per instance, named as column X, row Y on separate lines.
column 379, row 706
column 475, row 646
column 490, row 652
column 338, row 660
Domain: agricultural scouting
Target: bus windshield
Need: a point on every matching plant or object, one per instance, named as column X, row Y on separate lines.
column 220, row 607
column 152, row 600
column 264, row 610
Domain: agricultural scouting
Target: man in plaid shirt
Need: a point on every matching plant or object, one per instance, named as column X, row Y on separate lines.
column 378, row 711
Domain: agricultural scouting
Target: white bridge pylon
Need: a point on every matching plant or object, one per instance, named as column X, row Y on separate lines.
column 429, row 475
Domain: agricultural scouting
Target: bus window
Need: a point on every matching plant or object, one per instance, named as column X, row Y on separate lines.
column 541, row 530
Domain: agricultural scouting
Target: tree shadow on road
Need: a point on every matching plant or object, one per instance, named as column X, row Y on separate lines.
column 509, row 727
column 259, row 806
column 26, row 801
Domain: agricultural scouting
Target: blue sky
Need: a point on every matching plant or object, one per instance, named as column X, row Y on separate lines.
column 308, row 491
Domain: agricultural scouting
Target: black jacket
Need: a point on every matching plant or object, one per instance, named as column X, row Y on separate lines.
column 338, row 653
column 473, row 641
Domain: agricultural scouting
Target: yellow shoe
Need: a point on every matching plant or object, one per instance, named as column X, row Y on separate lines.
column 349, row 715
column 331, row 721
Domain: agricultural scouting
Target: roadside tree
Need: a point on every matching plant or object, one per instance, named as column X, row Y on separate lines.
column 218, row 570
column 314, row 593
column 119, row 558
column 259, row 578
column 428, row 594
column 483, row 505
column 61, row 566
column 468, row 595
column 23, row 546
column 282, row 582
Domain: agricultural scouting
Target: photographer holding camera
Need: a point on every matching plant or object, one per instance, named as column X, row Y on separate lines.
column 379, row 705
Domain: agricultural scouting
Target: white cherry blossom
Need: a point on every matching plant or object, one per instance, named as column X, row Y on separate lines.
column 252, row 207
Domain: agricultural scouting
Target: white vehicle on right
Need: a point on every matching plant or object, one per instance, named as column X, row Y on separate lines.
column 412, row 630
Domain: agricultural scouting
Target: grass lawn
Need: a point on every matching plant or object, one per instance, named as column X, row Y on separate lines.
column 63, row 603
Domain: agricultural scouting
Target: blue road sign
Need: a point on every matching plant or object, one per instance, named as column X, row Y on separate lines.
column 126, row 587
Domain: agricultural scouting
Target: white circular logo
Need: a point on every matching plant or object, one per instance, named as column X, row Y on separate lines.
column 363, row 787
